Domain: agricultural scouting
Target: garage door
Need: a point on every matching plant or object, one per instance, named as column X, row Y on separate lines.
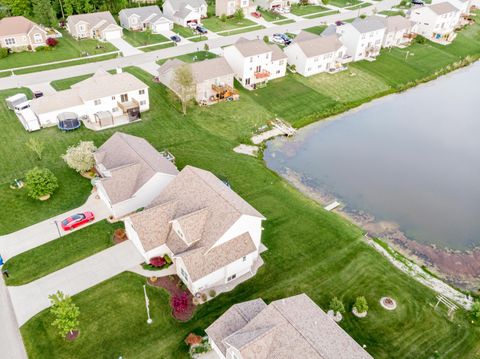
column 162, row 27
column 113, row 34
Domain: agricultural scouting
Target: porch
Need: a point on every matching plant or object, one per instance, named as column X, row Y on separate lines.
column 221, row 93
column 104, row 120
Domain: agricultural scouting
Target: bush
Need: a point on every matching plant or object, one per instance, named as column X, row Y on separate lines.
column 337, row 306
column 43, row 48
column 167, row 259
column 180, row 302
column 40, row 182
column 476, row 310
column 158, row 262
column 239, row 15
column 266, row 39
column 212, row 293
column 51, row 42
column 420, row 40
column 223, row 18
column 80, row 157
column 361, row 304
column 3, row 52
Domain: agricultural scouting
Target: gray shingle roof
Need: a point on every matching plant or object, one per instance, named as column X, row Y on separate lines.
column 93, row 18
column 396, row 23
column 201, row 70
column 16, row 25
column 443, row 8
column 370, row 23
column 317, row 45
column 143, row 11
column 252, row 47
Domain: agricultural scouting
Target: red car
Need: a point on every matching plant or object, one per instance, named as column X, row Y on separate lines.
column 77, row 220
column 256, row 14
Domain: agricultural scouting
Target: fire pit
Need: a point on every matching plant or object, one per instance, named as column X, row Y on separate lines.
column 388, row 303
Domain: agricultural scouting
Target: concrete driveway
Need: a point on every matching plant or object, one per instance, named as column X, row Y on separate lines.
column 48, row 230
column 125, row 47
column 46, row 88
column 32, row 298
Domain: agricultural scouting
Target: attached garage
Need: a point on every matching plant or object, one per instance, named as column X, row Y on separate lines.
column 112, row 34
column 162, row 26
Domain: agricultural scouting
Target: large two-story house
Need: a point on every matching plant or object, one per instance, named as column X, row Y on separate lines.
column 184, row 12
column 145, row 18
column 436, row 22
column 211, row 234
column 230, row 7
column 399, row 31
column 18, row 33
column 255, row 62
column 103, row 100
column 97, row 25
column 312, row 54
column 273, row 5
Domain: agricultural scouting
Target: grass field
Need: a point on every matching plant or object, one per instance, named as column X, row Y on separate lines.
column 241, row 30
column 344, row 3
column 195, row 56
column 157, row 47
column 316, row 29
column 215, row 24
column 310, row 250
column 141, row 38
column 302, row 10
column 270, row 15
column 326, row 13
column 67, row 48
column 183, row 31
column 60, row 253
column 358, row 6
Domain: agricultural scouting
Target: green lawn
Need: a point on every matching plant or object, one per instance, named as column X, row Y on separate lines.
column 60, row 253
column 141, row 38
column 310, row 250
column 359, row 6
column 302, row 10
column 215, row 24
column 183, row 31
column 157, row 47
column 242, row 30
column 284, row 22
column 67, row 48
column 322, row 14
column 392, row 13
column 270, row 15
column 195, row 56
column 344, row 3
column 316, row 29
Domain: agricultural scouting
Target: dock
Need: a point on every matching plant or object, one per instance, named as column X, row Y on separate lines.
column 331, row 206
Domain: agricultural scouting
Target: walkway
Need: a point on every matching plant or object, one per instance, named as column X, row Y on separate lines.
column 135, row 60
column 11, row 343
column 48, row 230
column 125, row 47
column 32, row 298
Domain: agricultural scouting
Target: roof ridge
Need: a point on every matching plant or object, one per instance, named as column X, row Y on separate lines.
column 191, row 214
column 269, row 329
column 121, row 134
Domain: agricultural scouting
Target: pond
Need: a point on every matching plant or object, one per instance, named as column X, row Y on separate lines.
column 411, row 159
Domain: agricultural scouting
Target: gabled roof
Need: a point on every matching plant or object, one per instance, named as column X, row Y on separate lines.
column 143, row 12
column 16, row 25
column 132, row 161
column 370, row 23
column 277, row 53
column 317, row 45
column 292, row 325
column 251, row 47
column 57, row 101
column 201, row 70
column 93, row 18
column 396, row 23
column 181, row 4
column 193, row 224
column 443, row 8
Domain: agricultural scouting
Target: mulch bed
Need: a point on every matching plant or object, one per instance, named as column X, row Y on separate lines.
column 72, row 336
column 119, row 236
column 172, row 287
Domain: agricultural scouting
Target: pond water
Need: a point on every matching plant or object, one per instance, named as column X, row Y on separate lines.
column 412, row 159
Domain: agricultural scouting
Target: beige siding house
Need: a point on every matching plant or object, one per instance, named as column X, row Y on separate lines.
column 213, row 79
column 400, row 31
column 293, row 327
column 18, row 33
column 229, row 7
column 98, row 25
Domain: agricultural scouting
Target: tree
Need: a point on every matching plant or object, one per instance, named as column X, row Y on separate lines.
column 18, row 7
column 183, row 85
column 65, row 312
column 35, row 146
column 87, row 6
column 337, row 306
column 40, row 182
column 80, row 157
column 361, row 304
column 43, row 12
column 239, row 15
column 476, row 310
column 266, row 39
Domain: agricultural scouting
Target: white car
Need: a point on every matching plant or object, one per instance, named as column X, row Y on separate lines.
column 278, row 39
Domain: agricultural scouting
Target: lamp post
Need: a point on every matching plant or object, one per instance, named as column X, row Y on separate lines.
column 147, row 305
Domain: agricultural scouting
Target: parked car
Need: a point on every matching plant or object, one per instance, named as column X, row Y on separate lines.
column 201, row 30
column 285, row 38
column 418, row 2
column 175, row 38
column 256, row 14
column 37, row 94
column 281, row 39
column 192, row 25
column 77, row 220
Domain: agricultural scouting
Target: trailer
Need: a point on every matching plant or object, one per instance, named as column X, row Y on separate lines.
column 15, row 100
column 28, row 119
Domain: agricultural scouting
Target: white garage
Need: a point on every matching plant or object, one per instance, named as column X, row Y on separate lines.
column 162, row 25
column 112, row 32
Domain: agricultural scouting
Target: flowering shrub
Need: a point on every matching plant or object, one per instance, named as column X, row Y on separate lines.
column 158, row 261
column 180, row 302
column 51, row 42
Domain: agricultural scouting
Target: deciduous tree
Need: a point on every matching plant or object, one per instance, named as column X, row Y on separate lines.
column 183, row 85
column 40, row 182
column 80, row 157
column 36, row 146
column 66, row 313
column 43, row 12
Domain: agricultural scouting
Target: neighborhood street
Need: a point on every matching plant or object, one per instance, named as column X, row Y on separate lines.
column 151, row 57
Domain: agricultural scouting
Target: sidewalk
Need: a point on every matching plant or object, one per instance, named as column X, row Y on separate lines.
column 32, row 298
column 124, row 47
column 48, row 230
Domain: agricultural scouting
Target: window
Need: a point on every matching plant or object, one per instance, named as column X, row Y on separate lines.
column 281, row 62
column 244, row 258
column 10, row 41
column 141, row 92
column 81, row 28
column 133, row 20
column 244, row 3
column 247, row 81
column 258, row 68
column 97, row 102
column 184, row 274
column 113, row 98
column 115, row 109
column 232, row 277
column 143, row 103
column 251, row 59
column 37, row 38
column 124, row 97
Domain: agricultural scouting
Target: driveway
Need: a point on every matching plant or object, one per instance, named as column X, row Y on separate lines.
column 46, row 231
column 125, row 47
column 11, row 343
column 32, row 298
column 46, row 88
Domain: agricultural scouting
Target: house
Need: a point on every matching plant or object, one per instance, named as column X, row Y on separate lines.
column 101, row 101
column 184, row 12
column 145, row 18
column 229, row 7
column 255, row 63
column 294, row 327
column 273, row 5
column 131, row 173
column 363, row 37
column 464, row 6
column 17, row 33
column 97, row 25
column 211, row 234
column 312, row 54
column 400, row 31
column 436, row 22
column 213, row 79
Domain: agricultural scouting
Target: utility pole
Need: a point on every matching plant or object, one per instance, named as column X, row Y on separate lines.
column 61, row 9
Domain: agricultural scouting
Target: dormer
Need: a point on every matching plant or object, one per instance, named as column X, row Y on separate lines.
column 190, row 226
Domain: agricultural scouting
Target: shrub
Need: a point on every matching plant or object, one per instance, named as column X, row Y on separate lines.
column 223, row 18
column 337, row 306
column 420, row 40
column 265, row 39
column 361, row 304
column 204, row 297
column 65, row 312
column 51, row 42
column 40, row 182
column 80, row 157
column 212, row 293
column 36, row 146
column 180, row 302
column 158, row 262
column 167, row 259
column 120, row 233
column 239, row 15
column 3, row 52
column 476, row 310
